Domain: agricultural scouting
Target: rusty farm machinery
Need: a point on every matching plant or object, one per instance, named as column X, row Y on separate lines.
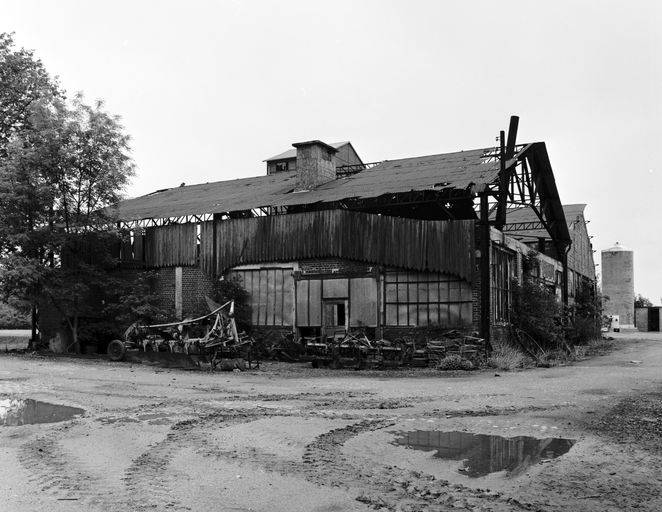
column 211, row 339
column 359, row 352
column 350, row 351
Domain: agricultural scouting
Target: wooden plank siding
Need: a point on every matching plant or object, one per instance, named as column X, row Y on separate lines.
column 363, row 302
column 171, row 246
column 271, row 294
column 309, row 302
column 440, row 246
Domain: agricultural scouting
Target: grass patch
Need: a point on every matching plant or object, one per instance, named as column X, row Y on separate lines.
column 455, row 362
column 599, row 347
column 13, row 343
column 508, row 358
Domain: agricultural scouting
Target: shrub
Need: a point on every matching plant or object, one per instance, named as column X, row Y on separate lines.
column 506, row 357
column 11, row 318
column 130, row 299
column 232, row 289
column 536, row 311
column 455, row 362
column 133, row 298
column 585, row 316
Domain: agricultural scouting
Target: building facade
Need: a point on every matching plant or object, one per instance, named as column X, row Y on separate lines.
column 394, row 248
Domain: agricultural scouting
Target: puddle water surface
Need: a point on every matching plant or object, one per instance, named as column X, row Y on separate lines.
column 484, row 454
column 27, row 412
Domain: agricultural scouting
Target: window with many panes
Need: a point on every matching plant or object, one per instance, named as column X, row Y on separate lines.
column 426, row 299
column 504, row 266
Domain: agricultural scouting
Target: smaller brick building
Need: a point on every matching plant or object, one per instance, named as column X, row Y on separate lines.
column 648, row 318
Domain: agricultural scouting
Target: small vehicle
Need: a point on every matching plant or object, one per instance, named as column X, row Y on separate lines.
column 212, row 338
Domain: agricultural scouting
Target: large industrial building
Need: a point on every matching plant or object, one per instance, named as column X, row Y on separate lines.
column 324, row 242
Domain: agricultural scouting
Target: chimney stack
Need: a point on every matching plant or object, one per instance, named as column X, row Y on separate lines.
column 316, row 164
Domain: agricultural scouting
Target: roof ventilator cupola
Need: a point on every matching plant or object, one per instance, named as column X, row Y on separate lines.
column 316, row 164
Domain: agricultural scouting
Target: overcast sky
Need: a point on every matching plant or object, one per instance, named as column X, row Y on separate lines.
column 209, row 89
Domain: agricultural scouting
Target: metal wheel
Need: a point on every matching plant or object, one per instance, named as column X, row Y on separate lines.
column 116, row 350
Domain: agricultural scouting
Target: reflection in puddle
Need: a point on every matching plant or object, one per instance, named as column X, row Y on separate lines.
column 483, row 454
column 28, row 412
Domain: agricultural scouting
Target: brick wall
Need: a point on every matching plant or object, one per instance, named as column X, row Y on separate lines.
column 195, row 286
column 476, row 286
column 164, row 287
column 476, row 307
column 315, row 164
column 499, row 333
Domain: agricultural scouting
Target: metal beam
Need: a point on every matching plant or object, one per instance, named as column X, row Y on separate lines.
column 523, row 226
column 485, row 312
column 507, row 152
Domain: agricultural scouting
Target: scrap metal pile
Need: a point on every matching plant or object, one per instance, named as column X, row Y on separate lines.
column 212, row 339
column 357, row 351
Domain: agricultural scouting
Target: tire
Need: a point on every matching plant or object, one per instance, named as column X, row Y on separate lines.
column 116, row 350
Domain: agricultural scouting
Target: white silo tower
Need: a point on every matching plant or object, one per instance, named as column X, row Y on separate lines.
column 618, row 284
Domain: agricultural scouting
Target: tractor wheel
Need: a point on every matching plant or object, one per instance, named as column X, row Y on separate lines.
column 116, row 350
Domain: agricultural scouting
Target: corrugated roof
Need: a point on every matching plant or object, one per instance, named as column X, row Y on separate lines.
column 434, row 172
column 292, row 153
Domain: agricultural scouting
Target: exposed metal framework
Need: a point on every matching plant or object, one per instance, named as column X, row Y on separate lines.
column 526, row 180
column 523, row 226
column 494, row 154
column 342, row 171
column 146, row 223
column 526, row 185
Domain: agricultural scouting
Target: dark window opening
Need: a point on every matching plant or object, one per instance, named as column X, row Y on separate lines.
column 334, row 314
column 341, row 314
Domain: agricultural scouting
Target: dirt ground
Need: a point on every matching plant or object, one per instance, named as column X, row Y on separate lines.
column 288, row 437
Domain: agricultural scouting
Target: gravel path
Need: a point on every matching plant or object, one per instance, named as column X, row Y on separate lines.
column 288, row 437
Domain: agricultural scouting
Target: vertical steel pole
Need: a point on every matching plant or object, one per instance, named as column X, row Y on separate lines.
column 485, row 312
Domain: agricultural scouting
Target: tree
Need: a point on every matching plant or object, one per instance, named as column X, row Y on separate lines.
column 62, row 166
column 131, row 298
column 642, row 302
column 23, row 80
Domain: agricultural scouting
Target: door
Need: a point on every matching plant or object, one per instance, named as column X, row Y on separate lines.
column 653, row 319
column 335, row 317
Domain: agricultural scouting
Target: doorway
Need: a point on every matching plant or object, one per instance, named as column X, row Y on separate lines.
column 335, row 317
column 654, row 319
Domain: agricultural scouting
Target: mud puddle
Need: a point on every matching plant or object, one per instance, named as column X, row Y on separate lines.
column 15, row 412
column 482, row 454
